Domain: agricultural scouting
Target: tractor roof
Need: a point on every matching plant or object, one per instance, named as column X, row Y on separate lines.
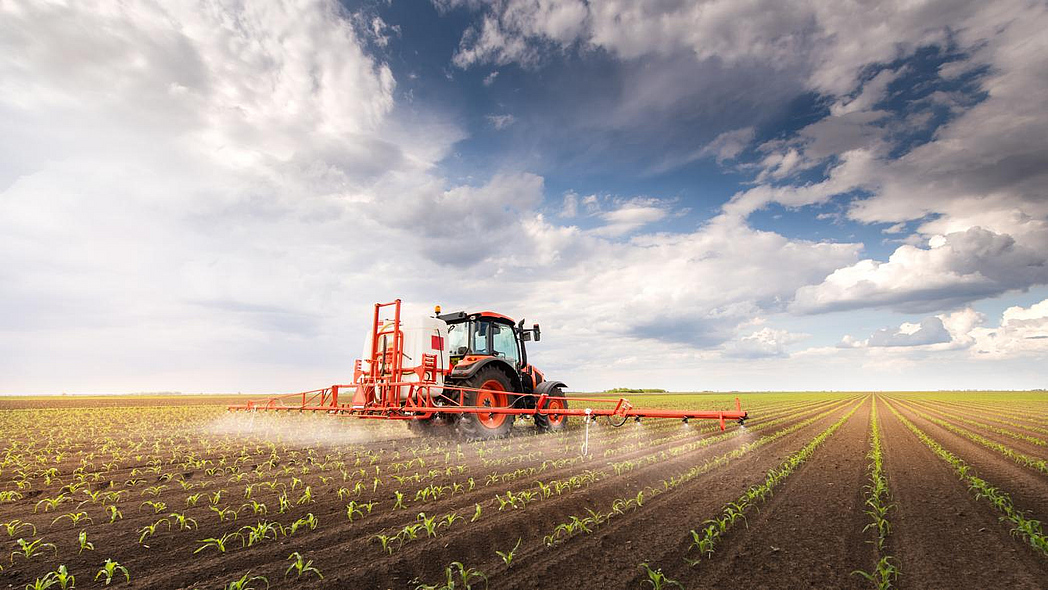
column 461, row 316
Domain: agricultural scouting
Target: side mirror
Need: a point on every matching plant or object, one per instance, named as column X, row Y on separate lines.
column 538, row 333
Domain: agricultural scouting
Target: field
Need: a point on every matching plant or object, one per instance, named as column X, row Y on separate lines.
column 823, row 490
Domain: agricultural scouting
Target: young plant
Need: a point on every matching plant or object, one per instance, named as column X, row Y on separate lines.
column 219, row 542
column 110, row 569
column 84, row 543
column 246, row 582
column 113, row 513
column 309, row 521
column 465, row 577
column 42, row 583
column 150, row 529
column 882, row 576
column 29, row 549
column 63, row 578
column 262, row 531
column 657, row 579
column 15, row 525
column 301, row 566
column 184, row 522
column 74, row 517
column 507, row 557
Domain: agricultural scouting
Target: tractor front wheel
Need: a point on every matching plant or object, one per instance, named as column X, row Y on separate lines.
column 553, row 422
column 496, row 391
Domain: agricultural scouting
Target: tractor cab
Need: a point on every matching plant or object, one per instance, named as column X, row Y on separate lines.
column 480, row 338
column 488, row 334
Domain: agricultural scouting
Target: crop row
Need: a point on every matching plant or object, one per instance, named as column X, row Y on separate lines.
column 878, row 505
column 1020, row 458
column 706, row 539
column 583, row 522
column 1029, row 529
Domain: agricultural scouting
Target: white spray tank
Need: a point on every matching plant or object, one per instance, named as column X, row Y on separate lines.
column 423, row 335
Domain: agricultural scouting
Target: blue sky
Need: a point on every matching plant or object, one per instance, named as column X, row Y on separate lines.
column 690, row 195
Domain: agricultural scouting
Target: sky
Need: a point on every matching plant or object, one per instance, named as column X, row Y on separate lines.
column 713, row 195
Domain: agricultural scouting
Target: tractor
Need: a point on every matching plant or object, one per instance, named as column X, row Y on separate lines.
column 488, row 361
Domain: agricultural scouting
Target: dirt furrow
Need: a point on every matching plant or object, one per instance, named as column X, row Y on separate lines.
column 1028, row 489
column 942, row 536
column 656, row 531
column 809, row 534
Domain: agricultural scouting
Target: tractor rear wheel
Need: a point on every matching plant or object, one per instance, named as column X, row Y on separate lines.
column 497, row 392
column 553, row 422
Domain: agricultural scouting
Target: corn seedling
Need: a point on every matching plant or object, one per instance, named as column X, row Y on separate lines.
column 507, row 557
column 63, row 578
column 15, row 525
column 301, row 566
column 110, row 569
column 113, row 513
column 309, row 521
column 157, row 507
column 455, row 574
column 262, row 531
column 84, row 543
column 150, row 529
column 42, row 583
column 30, row 549
column 219, row 543
column 882, row 576
column 658, row 580
column 184, row 522
column 246, row 582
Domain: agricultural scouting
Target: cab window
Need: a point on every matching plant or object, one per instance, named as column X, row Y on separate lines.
column 504, row 343
column 480, row 337
column 458, row 339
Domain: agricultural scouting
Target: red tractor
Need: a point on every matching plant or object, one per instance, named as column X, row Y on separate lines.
column 488, row 361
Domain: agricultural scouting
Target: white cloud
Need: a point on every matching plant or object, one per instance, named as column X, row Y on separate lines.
column 766, row 342
column 219, row 221
column 500, row 121
column 954, row 269
column 1023, row 332
column 725, row 147
column 490, row 78
column 629, row 216
column 571, row 205
column 830, row 43
column 928, row 331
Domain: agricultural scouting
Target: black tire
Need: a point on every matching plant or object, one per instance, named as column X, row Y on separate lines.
column 552, row 423
column 498, row 392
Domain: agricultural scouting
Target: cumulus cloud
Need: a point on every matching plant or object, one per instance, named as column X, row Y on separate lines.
column 831, row 43
column 212, row 197
column 764, row 343
column 1023, row 332
column 954, row 269
column 928, row 331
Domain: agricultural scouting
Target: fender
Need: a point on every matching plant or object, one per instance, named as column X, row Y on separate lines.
column 467, row 370
column 546, row 387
